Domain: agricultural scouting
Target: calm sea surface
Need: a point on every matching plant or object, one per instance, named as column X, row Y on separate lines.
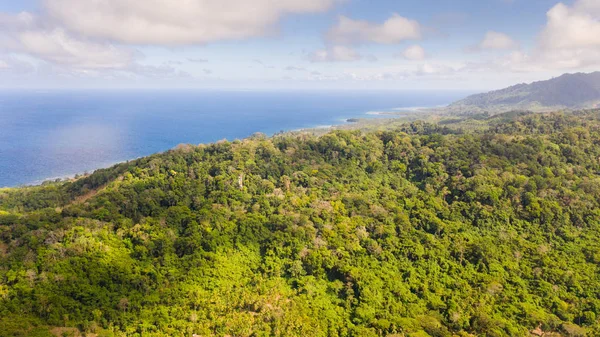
column 46, row 135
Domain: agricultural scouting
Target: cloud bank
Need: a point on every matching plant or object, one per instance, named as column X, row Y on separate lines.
column 168, row 22
column 91, row 35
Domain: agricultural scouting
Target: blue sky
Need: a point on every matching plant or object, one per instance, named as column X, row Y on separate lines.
column 295, row 44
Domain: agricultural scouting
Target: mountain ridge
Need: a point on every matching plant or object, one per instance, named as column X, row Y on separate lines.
column 568, row 91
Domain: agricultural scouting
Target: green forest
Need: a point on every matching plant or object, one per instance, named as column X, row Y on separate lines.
column 429, row 229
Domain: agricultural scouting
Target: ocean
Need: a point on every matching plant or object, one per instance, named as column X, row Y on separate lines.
column 54, row 134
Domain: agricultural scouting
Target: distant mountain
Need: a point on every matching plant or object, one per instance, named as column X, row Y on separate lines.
column 569, row 91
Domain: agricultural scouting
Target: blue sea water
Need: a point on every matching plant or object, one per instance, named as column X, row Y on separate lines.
column 52, row 134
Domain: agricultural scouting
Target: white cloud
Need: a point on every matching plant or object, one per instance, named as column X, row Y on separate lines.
column 59, row 47
column 569, row 41
column 573, row 27
column 562, row 59
column 433, row 69
column 348, row 32
column 168, row 22
column 414, row 53
column 588, row 6
column 497, row 41
column 25, row 34
column 335, row 54
column 394, row 30
column 62, row 54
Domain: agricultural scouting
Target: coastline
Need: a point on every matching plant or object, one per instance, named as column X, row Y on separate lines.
column 366, row 121
column 72, row 176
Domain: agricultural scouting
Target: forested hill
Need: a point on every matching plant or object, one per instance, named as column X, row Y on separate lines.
column 421, row 231
column 569, row 91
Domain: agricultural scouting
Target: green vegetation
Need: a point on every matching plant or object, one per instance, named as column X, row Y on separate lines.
column 426, row 230
column 569, row 91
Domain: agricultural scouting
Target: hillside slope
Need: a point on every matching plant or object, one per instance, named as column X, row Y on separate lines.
column 569, row 91
column 422, row 231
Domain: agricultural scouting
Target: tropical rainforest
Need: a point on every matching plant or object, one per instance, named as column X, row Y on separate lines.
column 428, row 229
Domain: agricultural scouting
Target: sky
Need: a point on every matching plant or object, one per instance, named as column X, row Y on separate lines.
column 295, row 44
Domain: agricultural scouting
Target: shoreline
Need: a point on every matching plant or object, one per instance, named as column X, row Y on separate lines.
column 368, row 118
column 70, row 176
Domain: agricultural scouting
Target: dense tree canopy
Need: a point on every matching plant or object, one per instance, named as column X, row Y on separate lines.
column 422, row 231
